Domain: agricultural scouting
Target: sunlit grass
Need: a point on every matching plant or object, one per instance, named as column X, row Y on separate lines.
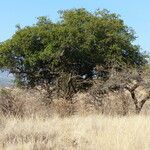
column 86, row 133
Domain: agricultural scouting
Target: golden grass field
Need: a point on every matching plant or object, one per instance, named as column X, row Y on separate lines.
column 93, row 132
column 27, row 122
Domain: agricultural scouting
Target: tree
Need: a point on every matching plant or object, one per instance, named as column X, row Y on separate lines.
column 127, row 80
column 71, row 47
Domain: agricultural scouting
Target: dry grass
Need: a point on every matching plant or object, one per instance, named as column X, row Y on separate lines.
column 22, row 103
column 76, row 133
column 29, row 122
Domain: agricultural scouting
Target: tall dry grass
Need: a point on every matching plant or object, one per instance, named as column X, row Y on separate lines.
column 92, row 132
column 29, row 121
column 22, row 103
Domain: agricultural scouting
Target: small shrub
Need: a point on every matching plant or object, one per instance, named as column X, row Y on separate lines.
column 9, row 104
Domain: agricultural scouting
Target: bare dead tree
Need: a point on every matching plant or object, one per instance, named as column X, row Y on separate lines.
column 120, row 82
column 138, row 104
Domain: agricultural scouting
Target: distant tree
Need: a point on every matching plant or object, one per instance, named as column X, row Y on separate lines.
column 71, row 47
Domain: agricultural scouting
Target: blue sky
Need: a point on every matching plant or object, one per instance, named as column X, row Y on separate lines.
column 135, row 13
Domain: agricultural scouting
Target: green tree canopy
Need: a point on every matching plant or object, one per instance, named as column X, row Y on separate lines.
column 75, row 44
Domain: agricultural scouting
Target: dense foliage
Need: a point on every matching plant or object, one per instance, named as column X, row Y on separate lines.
column 74, row 45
